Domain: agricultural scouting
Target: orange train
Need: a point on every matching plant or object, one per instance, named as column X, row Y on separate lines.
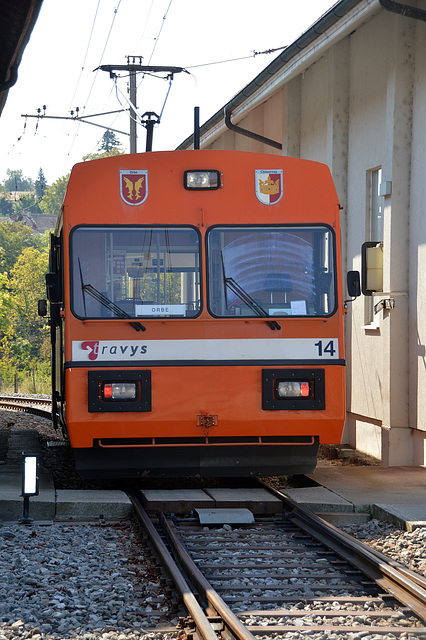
column 196, row 315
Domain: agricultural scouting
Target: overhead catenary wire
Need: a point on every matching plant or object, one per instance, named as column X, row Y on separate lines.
column 158, row 35
column 85, row 55
column 253, row 55
column 93, row 82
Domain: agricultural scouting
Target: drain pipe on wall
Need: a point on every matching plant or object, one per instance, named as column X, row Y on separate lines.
column 403, row 9
column 249, row 134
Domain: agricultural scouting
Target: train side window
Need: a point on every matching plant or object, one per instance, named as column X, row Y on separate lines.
column 138, row 272
column 280, row 271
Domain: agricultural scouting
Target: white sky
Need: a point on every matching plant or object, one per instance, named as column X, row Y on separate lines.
column 71, row 39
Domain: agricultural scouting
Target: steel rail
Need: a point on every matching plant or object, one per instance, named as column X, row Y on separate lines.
column 407, row 587
column 203, row 626
column 234, row 624
column 14, row 406
column 25, row 399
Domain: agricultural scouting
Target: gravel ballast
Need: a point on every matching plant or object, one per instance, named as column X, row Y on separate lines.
column 78, row 581
column 90, row 581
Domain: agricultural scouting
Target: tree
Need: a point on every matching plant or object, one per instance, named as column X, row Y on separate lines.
column 53, row 198
column 109, row 142
column 15, row 181
column 105, row 154
column 6, row 207
column 27, row 203
column 40, row 184
column 14, row 238
column 27, row 332
column 5, row 303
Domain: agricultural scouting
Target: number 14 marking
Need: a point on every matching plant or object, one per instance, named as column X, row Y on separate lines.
column 327, row 350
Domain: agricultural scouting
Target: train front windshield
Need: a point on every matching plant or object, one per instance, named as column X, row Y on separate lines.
column 135, row 272
column 273, row 271
column 141, row 272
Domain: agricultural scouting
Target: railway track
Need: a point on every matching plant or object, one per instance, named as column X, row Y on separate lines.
column 27, row 404
column 292, row 577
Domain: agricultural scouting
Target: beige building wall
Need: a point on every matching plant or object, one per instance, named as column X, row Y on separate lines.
column 358, row 103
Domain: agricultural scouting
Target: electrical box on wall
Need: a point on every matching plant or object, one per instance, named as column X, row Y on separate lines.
column 385, row 188
column 372, row 267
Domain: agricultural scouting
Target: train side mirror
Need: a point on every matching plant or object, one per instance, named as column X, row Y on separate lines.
column 353, row 283
column 53, row 287
column 42, row 308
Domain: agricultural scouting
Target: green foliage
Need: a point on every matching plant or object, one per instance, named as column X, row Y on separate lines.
column 40, row 184
column 34, row 380
column 105, row 154
column 109, row 142
column 24, row 332
column 53, row 198
column 6, row 207
column 28, row 203
column 24, row 336
column 5, row 303
column 16, row 181
column 14, row 238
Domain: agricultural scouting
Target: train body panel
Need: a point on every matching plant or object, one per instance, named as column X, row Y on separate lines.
column 200, row 323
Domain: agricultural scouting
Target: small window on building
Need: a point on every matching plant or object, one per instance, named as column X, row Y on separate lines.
column 374, row 227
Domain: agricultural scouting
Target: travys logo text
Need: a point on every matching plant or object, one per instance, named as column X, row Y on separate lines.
column 98, row 350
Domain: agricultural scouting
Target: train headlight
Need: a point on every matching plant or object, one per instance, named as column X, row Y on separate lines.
column 119, row 391
column 293, row 389
column 201, row 180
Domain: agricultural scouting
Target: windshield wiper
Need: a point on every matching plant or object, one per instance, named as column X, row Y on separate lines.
column 106, row 302
column 249, row 301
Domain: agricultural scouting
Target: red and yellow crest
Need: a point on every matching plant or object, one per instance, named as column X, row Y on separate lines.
column 133, row 186
column 269, row 185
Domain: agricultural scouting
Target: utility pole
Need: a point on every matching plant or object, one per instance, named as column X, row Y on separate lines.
column 132, row 68
column 133, row 106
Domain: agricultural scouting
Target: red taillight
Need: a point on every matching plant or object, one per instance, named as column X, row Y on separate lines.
column 107, row 391
column 304, row 389
column 293, row 389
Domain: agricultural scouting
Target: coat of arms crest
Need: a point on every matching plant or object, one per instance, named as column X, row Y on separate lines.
column 269, row 185
column 133, row 186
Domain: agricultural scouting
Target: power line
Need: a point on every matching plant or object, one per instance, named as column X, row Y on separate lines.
column 85, row 55
column 104, row 49
column 253, row 55
column 94, row 79
column 158, row 36
column 159, row 33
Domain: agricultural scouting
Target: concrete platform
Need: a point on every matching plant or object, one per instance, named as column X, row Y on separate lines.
column 320, row 499
column 42, row 507
column 409, row 517
column 258, row 501
column 58, row 505
column 394, row 494
column 175, row 500
column 329, row 505
column 105, row 505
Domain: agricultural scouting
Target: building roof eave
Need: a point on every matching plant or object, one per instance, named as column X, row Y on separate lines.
column 341, row 19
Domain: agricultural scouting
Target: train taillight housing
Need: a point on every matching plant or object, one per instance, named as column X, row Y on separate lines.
column 288, row 389
column 201, row 180
column 119, row 391
column 293, row 389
